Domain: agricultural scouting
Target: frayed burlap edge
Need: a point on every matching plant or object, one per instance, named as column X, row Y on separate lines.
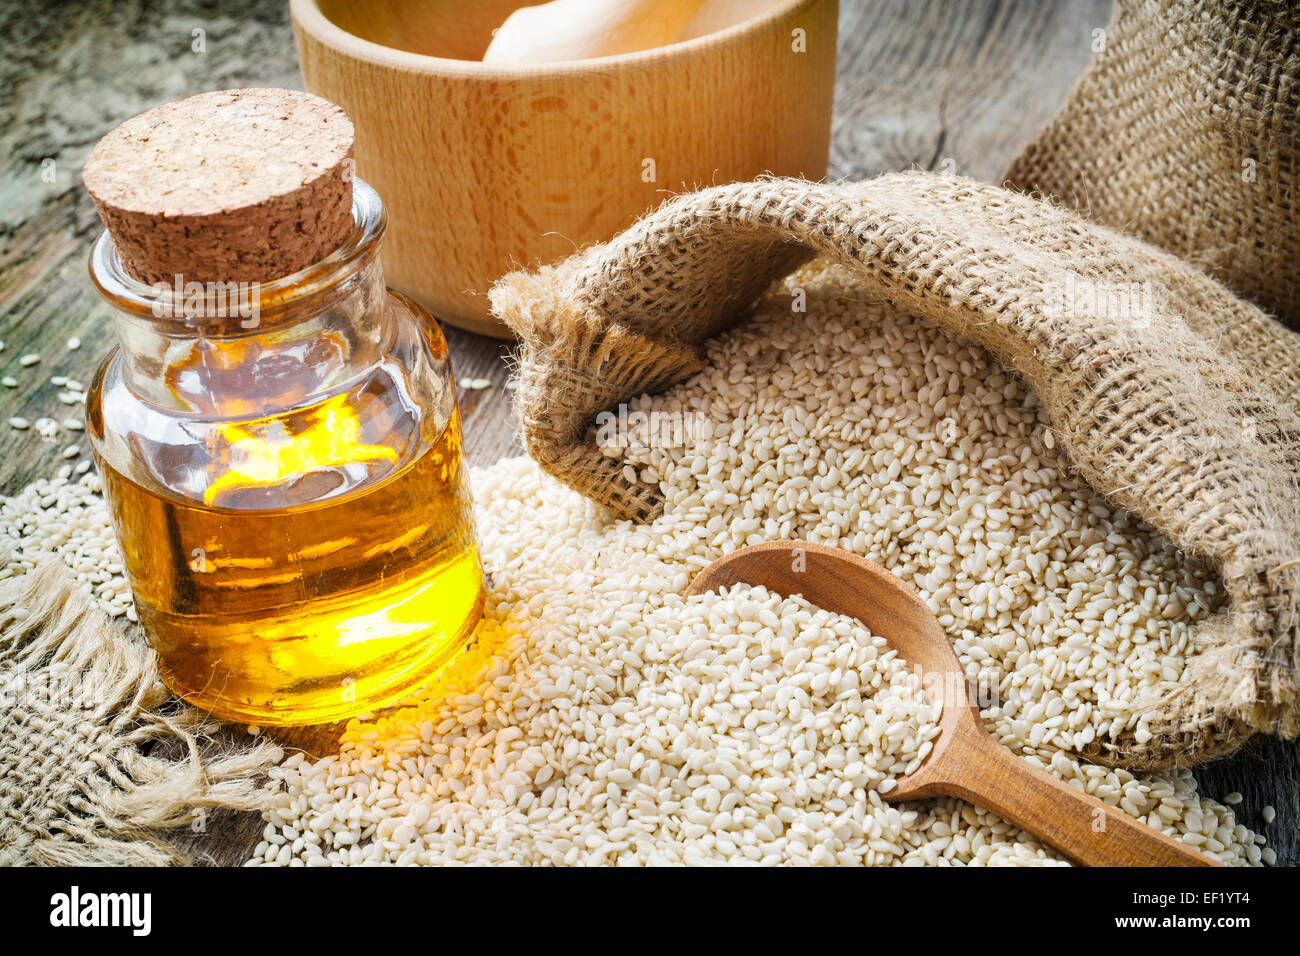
column 82, row 781
column 1184, row 413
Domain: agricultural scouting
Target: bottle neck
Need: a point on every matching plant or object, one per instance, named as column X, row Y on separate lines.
column 245, row 350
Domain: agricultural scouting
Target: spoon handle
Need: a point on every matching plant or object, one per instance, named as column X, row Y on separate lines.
column 981, row 770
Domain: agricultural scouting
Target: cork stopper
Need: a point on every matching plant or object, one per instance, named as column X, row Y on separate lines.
column 232, row 186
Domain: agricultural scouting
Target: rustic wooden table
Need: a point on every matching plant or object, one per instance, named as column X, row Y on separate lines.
column 956, row 85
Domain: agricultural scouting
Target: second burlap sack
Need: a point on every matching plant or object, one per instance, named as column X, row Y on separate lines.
column 1185, row 132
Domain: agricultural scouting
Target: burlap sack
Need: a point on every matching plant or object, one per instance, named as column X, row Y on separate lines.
column 1185, row 131
column 1181, row 405
column 95, row 755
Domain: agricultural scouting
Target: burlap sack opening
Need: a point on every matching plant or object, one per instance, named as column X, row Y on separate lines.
column 1185, row 132
column 1182, row 406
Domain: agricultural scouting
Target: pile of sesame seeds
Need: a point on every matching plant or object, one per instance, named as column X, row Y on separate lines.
column 63, row 516
column 601, row 718
column 66, row 518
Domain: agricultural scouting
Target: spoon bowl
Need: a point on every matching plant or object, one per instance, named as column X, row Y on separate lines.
column 966, row 762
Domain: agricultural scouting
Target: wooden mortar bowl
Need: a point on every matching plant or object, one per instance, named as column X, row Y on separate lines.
column 485, row 169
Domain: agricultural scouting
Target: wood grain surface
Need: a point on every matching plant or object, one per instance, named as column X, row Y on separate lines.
column 934, row 84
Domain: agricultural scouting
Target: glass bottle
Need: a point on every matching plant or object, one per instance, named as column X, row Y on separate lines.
column 284, row 469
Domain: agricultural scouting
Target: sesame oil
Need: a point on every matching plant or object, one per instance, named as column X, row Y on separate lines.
column 304, row 613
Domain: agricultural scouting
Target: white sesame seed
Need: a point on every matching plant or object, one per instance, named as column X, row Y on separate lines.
column 19, row 423
column 1268, row 813
column 9, row 381
column 31, row 358
column 74, row 343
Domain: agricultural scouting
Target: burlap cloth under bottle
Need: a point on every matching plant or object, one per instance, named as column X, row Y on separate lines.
column 96, row 757
column 1181, row 404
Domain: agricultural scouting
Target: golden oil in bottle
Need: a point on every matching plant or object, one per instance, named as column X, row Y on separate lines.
column 302, row 614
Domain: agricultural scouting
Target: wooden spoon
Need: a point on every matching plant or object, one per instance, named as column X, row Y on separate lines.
column 966, row 761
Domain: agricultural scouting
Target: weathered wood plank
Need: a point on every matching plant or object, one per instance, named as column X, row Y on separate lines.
column 957, row 86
